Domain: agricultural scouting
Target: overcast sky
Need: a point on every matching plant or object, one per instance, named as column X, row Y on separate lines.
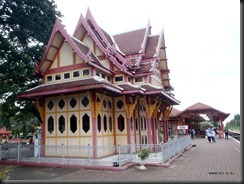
column 202, row 39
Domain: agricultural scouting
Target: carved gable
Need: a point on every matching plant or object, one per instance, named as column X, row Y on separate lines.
column 66, row 55
column 54, row 63
column 88, row 41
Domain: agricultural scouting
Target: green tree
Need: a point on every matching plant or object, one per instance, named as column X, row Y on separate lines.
column 204, row 124
column 27, row 126
column 237, row 118
column 234, row 123
column 25, row 27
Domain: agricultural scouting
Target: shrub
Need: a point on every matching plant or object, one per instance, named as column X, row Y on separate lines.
column 5, row 173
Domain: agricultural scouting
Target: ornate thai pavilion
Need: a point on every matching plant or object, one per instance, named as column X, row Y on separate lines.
column 196, row 113
column 103, row 90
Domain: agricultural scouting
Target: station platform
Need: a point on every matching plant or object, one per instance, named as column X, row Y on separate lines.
column 203, row 162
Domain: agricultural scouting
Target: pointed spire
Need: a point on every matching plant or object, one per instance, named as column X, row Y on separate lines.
column 163, row 28
column 148, row 23
column 147, row 33
column 81, row 19
column 88, row 12
column 162, row 34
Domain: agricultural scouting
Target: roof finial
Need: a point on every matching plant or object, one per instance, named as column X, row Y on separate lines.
column 162, row 34
column 88, row 12
column 148, row 25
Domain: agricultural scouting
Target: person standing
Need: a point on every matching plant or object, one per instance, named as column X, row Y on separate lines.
column 192, row 132
column 226, row 134
column 31, row 140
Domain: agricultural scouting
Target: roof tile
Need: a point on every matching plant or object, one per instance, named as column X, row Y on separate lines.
column 152, row 43
column 130, row 43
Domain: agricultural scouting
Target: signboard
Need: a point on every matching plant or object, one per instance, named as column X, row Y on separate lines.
column 182, row 127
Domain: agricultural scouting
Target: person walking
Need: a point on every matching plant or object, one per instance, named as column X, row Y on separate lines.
column 226, row 134
column 209, row 135
column 213, row 134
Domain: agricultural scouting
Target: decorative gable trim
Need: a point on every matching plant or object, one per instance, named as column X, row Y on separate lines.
column 143, row 45
column 161, row 43
column 58, row 28
column 98, row 36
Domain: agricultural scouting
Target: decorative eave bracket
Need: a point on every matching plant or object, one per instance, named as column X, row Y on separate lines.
column 95, row 106
column 166, row 112
column 129, row 108
column 39, row 108
column 151, row 109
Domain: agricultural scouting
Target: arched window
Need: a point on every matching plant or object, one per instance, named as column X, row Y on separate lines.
column 86, row 123
column 136, row 124
column 110, row 124
column 50, row 124
column 145, row 123
column 99, row 126
column 73, row 123
column 142, row 127
column 145, row 139
column 109, row 104
column 61, row 124
column 104, row 104
column 121, row 123
column 105, row 123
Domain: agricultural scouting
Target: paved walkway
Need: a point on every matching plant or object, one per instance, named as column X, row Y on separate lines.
column 204, row 162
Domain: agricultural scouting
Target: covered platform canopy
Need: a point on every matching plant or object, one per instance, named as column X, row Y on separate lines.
column 201, row 112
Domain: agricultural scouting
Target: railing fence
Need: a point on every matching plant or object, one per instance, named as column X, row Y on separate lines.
column 93, row 155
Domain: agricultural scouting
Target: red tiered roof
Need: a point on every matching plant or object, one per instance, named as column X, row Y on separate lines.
column 136, row 53
column 200, row 108
column 4, row 131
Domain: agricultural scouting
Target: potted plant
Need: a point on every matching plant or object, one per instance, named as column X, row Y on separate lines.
column 144, row 154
